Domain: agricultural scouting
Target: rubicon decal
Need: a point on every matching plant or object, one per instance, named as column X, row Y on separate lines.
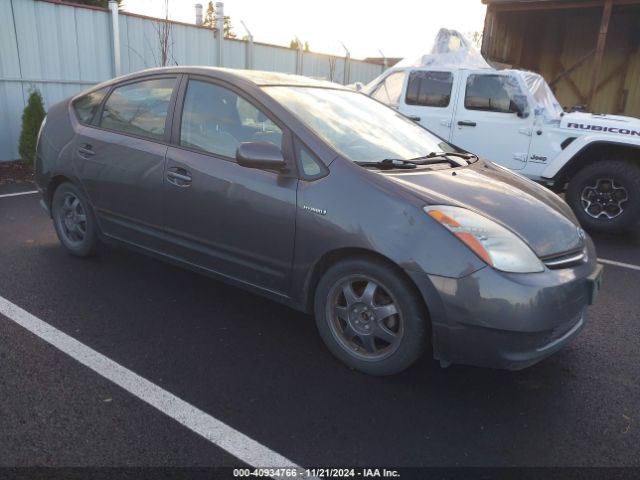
column 599, row 128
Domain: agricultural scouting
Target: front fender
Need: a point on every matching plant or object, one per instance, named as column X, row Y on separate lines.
column 580, row 144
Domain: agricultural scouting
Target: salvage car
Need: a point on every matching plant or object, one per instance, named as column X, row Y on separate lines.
column 325, row 200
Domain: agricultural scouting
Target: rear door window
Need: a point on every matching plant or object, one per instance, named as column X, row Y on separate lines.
column 429, row 89
column 87, row 105
column 139, row 108
column 390, row 90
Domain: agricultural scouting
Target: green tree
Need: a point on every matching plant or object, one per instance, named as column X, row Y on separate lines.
column 32, row 118
column 210, row 17
column 228, row 28
column 296, row 45
column 211, row 21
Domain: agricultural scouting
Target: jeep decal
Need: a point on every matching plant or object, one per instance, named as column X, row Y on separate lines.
column 598, row 128
column 538, row 158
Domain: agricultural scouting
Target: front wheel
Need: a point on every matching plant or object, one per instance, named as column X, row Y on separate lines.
column 371, row 317
column 605, row 196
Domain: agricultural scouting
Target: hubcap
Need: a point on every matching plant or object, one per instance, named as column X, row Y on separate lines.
column 364, row 317
column 72, row 219
column 604, row 199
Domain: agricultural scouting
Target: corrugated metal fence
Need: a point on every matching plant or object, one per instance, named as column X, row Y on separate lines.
column 61, row 49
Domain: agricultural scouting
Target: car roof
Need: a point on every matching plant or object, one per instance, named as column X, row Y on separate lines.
column 254, row 78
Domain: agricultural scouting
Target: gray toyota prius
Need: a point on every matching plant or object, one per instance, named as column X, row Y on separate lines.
column 325, row 200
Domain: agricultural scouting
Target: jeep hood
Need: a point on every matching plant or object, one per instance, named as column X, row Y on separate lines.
column 538, row 216
column 611, row 124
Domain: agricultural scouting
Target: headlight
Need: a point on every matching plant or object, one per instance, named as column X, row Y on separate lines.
column 497, row 246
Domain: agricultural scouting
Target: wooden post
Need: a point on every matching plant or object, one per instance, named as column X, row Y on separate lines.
column 487, row 34
column 602, row 39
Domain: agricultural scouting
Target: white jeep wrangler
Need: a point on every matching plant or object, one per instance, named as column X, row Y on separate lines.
column 511, row 117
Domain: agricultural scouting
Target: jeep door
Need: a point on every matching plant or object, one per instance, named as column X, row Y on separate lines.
column 492, row 118
column 120, row 155
column 236, row 221
column 429, row 99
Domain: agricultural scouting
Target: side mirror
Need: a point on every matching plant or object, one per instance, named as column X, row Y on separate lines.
column 519, row 104
column 262, row 155
column 359, row 86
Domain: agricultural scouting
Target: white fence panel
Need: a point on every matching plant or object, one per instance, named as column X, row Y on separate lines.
column 274, row 59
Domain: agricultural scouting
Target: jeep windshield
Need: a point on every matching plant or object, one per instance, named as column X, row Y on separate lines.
column 359, row 128
column 541, row 93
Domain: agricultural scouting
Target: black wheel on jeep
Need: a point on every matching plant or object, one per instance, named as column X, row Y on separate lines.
column 605, row 196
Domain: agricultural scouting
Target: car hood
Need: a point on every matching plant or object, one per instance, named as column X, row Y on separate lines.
column 537, row 215
column 611, row 124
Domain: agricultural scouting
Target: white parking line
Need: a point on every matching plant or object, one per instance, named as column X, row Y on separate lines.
column 31, row 192
column 217, row 432
column 619, row 264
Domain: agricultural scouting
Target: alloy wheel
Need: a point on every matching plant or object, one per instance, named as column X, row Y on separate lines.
column 72, row 219
column 604, row 198
column 365, row 317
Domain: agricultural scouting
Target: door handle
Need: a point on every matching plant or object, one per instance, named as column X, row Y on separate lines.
column 414, row 118
column 179, row 177
column 466, row 123
column 85, row 150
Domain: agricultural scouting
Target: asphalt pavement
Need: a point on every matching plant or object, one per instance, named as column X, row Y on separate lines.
column 262, row 369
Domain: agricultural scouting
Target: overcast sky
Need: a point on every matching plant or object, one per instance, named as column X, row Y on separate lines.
column 399, row 28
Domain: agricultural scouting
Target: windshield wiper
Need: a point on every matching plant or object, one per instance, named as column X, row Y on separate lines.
column 388, row 164
column 435, row 157
column 466, row 156
column 430, row 159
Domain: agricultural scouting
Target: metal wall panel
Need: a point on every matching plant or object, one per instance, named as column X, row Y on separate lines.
column 200, row 44
column 364, row 72
column 274, row 59
column 234, row 54
column 63, row 49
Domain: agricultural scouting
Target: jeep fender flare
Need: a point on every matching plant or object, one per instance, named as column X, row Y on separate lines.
column 567, row 158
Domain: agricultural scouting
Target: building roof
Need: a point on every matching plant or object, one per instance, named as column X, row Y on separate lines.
column 487, row 2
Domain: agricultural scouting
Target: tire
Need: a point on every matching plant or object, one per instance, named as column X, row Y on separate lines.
column 379, row 325
column 605, row 196
column 74, row 221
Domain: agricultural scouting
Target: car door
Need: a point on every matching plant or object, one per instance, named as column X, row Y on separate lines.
column 491, row 119
column 233, row 220
column 120, row 157
column 429, row 99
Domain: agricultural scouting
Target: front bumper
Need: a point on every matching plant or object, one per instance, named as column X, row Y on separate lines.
column 503, row 320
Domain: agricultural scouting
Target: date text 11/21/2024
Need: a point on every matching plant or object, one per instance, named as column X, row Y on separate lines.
column 316, row 473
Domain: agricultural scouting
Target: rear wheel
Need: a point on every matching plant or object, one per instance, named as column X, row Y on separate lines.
column 74, row 221
column 371, row 317
column 605, row 196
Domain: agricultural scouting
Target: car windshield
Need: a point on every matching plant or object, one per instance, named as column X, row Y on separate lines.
column 358, row 127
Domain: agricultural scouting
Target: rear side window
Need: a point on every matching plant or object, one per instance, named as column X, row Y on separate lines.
column 492, row 93
column 139, row 108
column 389, row 91
column 216, row 120
column 87, row 105
column 429, row 89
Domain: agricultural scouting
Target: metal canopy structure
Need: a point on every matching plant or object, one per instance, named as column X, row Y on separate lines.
column 586, row 49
